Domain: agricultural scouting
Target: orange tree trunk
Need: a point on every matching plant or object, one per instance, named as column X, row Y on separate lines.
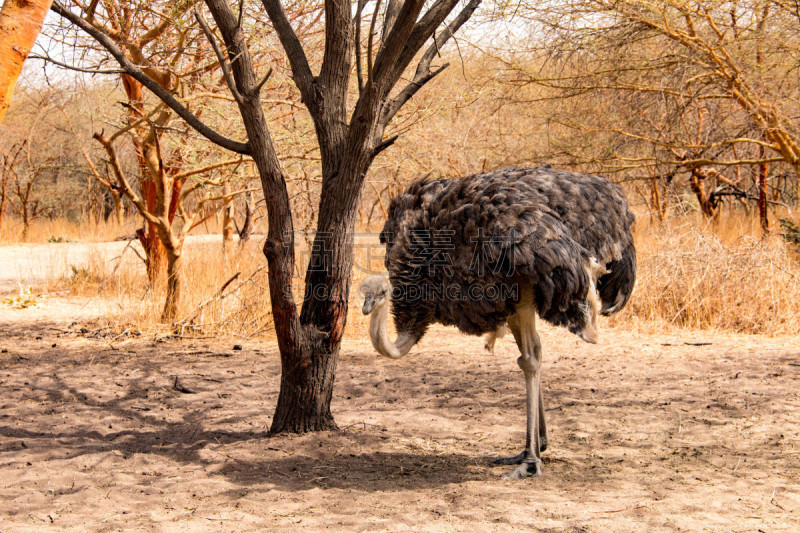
column 20, row 24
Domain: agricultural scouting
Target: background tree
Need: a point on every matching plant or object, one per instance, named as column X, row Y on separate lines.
column 9, row 158
column 37, row 169
column 167, row 42
column 699, row 92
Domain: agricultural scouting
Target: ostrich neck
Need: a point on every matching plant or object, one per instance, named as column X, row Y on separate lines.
column 380, row 339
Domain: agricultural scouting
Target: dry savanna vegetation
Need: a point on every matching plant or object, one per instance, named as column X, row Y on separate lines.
column 133, row 258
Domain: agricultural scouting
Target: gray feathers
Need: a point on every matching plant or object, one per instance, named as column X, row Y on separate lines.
column 459, row 250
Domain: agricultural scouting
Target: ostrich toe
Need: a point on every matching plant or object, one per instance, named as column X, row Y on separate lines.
column 529, row 468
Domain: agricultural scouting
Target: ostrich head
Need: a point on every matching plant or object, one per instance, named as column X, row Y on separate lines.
column 375, row 290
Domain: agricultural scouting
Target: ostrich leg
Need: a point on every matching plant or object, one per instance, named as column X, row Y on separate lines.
column 523, row 326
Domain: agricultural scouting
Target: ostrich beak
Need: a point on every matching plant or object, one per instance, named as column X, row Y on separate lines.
column 369, row 305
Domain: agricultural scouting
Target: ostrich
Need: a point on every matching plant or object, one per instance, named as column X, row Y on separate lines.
column 498, row 248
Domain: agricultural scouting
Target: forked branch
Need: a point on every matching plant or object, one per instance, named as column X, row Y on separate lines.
column 423, row 73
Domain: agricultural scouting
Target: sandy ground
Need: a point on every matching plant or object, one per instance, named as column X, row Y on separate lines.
column 691, row 432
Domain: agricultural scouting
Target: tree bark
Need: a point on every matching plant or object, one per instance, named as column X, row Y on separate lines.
column 227, row 220
column 307, row 378
column 174, row 285
column 154, row 252
column 20, row 24
column 763, row 172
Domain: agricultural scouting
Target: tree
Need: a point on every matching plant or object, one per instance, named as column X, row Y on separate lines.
column 33, row 164
column 20, row 24
column 44, row 174
column 165, row 41
column 350, row 111
column 9, row 158
column 655, row 90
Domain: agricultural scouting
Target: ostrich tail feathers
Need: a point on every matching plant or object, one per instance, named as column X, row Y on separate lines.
column 616, row 286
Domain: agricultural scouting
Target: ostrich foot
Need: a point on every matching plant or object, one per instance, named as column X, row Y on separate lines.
column 515, row 460
column 531, row 467
column 520, row 458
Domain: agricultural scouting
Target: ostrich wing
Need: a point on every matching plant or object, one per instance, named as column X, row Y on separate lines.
column 469, row 243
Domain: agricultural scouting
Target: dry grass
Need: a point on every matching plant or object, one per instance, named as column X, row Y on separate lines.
column 242, row 309
column 63, row 230
column 43, row 230
column 691, row 274
column 719, row 277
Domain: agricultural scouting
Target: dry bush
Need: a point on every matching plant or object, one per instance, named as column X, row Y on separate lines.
column 242, row 309
column 698, row 276
column 243, row 312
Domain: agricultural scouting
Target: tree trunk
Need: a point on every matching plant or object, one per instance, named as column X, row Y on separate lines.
column 119, row 209
column 174, row 285
column 154, row 252
column 247, row 226
column 308, row 374
column 26, row 220
column 307, row 377
column 3, row 196
column 698, row 184
column 763, row 171
column 20, row 24
column 227, row 220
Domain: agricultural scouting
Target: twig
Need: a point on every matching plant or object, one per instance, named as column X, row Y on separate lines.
column 220, row 57
column 219, row 294
column 206, row 302
column 262, row 82
column 123, row 253
column 180, row 388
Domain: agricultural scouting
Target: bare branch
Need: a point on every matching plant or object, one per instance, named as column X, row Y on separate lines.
column 136, row 124
column 223, row 63
column 208, row 168
column 384, row 145
column 397, row 43
column 301, row 71
column 123, row 183
column 357, row 22
column 158, row 30
column 263, row 81
column 423, row 73
column 369, row 39
column 392, row 10
column 48, row 59
column 136, row 73
column 408, row 92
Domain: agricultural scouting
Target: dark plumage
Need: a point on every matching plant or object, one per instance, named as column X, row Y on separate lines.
column 457, row 250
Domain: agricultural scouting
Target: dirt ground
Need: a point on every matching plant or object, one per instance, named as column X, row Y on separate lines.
column 679, row 432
